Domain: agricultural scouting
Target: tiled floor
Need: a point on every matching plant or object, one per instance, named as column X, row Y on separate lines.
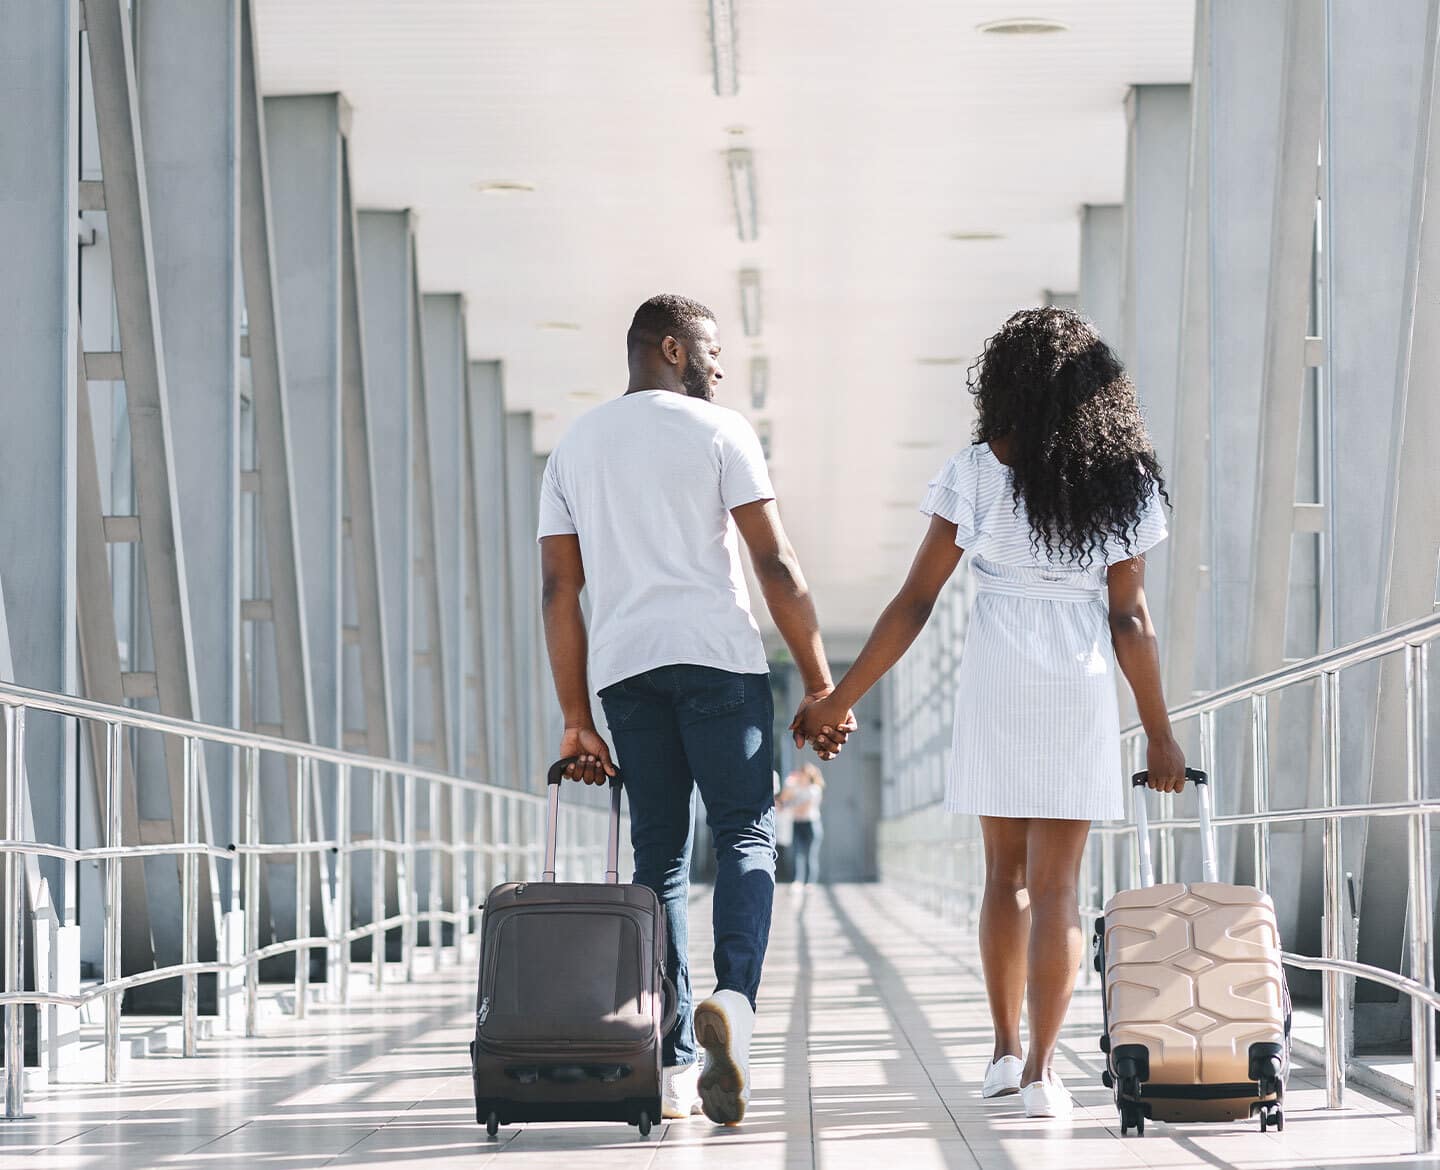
column 872, row 1038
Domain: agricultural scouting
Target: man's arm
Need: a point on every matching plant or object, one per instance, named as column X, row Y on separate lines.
column 563, row 576
column 777, row 569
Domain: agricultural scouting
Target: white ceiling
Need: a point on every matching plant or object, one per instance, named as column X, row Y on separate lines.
column 878, row 130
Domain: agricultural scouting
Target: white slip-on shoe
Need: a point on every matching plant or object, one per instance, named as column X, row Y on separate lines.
column 1047, row 1098
column 1002, row 1078
column 681, row 1095
column 724, row 1024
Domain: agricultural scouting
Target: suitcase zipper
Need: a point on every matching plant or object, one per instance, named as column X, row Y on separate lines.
column 484, row 1011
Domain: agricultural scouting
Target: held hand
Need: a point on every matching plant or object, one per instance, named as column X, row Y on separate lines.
column 823, row 723
column 1166, row 763
column 593, row 764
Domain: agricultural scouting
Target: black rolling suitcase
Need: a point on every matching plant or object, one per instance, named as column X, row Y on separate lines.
column 573, row 1000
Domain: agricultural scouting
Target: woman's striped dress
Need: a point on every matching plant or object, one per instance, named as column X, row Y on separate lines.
column 1037, row 725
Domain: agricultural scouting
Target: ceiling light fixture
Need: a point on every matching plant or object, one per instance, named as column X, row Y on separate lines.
column 741, row 164
column 504, row 186
column 920, row 444
column 559, row 326
column 722, row 40
column 1023, row 26
column 941, row 361
column 976, row 237
column 767, row 438
column 759, row 382
column 750, row 301
column 584, row 396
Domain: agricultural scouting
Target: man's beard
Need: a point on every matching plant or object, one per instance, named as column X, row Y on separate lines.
column 696, row 380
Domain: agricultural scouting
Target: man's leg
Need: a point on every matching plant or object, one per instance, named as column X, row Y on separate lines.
column 726, row 722
column 660, row 793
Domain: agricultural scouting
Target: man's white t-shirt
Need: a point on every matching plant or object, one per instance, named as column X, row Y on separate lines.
column 647, row 482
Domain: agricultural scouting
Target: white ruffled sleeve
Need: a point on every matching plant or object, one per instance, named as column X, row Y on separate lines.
column 951, row 495
column 1149, row 530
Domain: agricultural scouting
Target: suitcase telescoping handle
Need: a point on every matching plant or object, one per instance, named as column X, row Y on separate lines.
column 1207, row 827
column 552, row 831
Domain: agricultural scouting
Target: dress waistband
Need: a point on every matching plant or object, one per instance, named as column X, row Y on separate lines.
column 1038, row 590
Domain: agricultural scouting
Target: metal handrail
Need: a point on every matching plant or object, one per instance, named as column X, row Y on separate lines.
column 943, row 858
column 508, row 849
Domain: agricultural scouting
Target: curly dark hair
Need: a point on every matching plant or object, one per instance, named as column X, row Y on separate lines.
column 1080, row 456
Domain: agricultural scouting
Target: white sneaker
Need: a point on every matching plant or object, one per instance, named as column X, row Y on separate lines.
column 1003, row 1077
column 1047, row 1098
column 681, row 1094
column 724, row 1024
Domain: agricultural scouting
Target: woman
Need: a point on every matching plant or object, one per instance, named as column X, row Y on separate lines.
column 1058, row 500
column 801, row 796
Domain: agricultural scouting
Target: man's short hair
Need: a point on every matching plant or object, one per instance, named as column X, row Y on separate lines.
column 665, row 316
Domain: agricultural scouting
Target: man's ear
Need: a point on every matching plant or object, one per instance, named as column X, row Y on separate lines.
column 672, row 351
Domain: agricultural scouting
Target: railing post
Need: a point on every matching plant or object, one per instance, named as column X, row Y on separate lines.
column 459, row 868
column 302, row 884
column 378, row 865
column 1422, row 960
column 435, row 871
column 341, row 942
column 1333, row 923
column 114, row 771
column 1260, row 764
column 409, row 892
column 190, row 901
column 252, row 890
column 14, row 914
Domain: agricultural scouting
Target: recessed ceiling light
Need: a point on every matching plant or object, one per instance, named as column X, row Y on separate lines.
column 1023, row 26
column 559, row 326
column 736, row 131
column 942, row 361
column 584, row 396
column 503, row 186
column 908, row 504
column 976, row 237
column 920, row 444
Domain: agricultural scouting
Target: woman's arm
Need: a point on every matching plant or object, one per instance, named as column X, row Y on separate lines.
column 894, row 633
column 1137, row 651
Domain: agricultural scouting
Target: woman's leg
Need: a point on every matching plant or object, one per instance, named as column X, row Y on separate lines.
column 802, row 853
column 1005, row 927
column 1056, row 944
column 812, row 868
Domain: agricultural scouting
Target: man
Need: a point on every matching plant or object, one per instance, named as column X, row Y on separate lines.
column 642, row 501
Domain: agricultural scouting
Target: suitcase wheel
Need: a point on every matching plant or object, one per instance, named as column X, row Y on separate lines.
column 1272, row 1117
column 644, row 1123
column 1131, row 1117
column 492, row 1124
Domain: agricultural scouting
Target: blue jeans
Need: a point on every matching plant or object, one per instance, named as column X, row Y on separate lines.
column 677, row 728
column 808, row 835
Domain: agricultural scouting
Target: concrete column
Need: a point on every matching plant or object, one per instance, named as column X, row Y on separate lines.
column 445, row 356
column 304, row 155
column 1156, row 170
column 1102, row 266
column 38, row 327
column 487, row 426
column 187, row 57
column 1379, row 257
column 387, row 288
column 524, row 569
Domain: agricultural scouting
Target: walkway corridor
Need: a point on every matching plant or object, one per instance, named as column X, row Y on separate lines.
column 871, row 1043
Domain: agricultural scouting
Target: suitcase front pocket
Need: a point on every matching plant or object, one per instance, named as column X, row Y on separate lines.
column 566, row 978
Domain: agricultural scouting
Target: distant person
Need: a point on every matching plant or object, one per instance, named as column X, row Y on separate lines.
column 801, row 796
column 1058, row 500
column 784, row 837
column 645, row 502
